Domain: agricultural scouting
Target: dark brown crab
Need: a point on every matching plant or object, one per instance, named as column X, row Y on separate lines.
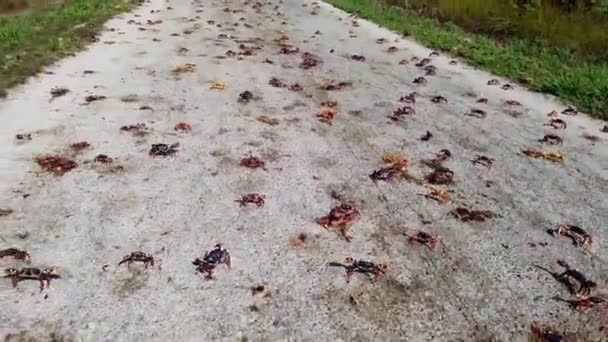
column 79, row 146
column 441, row 175
column 102, row 158
column 493, row 82
column 163, row 150
column 478, row 113
column 252, row 198
column 427, row 136
column 439, row 99
column 483, row 161
column 557, row 124
column 482, row 100
column 288, row 51
column 419, row 80
column 275, row 82
column 373, row 271
column 424, row 238
column 604, row 129
column 142, row 257
column 17, row 254
column 570, row 111
column 245, row 96
column 423, row 62
column 31, row 273
column 576, row 282
column 551, row 139
column 579, row 236
column 512, row 103
column 392, row 49
column 357, row 58
column 410, row 98
column 339, row 217
column 402, row 112
column 211, row 260
column 253, row 162
column 466, row 215
column 507, row 86
column 430, row 70
column 310, row 60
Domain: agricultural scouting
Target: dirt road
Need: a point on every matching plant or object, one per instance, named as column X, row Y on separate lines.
column 478, row 284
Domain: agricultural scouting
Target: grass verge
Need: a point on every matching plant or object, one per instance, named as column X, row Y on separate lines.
column 550, row 70
column 32, row 40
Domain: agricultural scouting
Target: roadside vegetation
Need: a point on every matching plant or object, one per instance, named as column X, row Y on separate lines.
column 37, row 33
column 558, row 47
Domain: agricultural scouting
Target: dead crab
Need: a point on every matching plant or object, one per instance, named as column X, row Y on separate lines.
column 576, row 282
column 483, row 161
column 441, row 175
column 252, row 162
column 557, row 124
column 419, row 80
column 145, row 258
column 17, row 254
column 424, row 238
column 579, row 236
column 584, row 303
column 546, row 334
column 339, row 217
column 466, row 215
column 211, row 260
column 402, row 112
column 28, row 273
column 163, row 150
column 57, row 165
column 439, row 99
column 438, row 195
column 410, row 98
column 551, row 139
column 253, row 198
column 478, row 113
column 373, row 271
column 389, row 173
column 102, row 158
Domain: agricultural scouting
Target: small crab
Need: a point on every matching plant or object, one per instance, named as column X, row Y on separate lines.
column 482, row 100
column 430, row 70
column 310, row 60
column 339, row 217
column 102, row 158
column 419, row 80
column 478, row 113
column 427, row 136
column 183, row 127
column 57, row 165
column 275, row 82
column 483, row 161
column 512, row 103
column 404, row 62
column 466, row 215
column 438, row 195
column 433, row 54
column 373, row 271
column 245, row 96
column 604, row 129
column 570, row 111
column 401, row 112
column 211, row 260
column 585, row 303
column 389, row 173
column 427, row 239
column 295, row 87
column 453, row 62
column 163, row 150
column 551, row 139
column 252, row 162
column 579, row 236
column 381, row 40
column 392, row 49
column 507, row 86
column 423, row 62
column 557, row 124
column 28, row 273
column 546, row 334
column 493, row 82
column 410, row 98
column 146, row 258
column 17, row 254
column 253, row 198
column 439, row 99
column 440, row 176
column 576, row 281
column 357, row 58
column 442, row 155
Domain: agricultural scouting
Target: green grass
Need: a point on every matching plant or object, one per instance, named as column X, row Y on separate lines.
column 556, row 71
column 35, row 39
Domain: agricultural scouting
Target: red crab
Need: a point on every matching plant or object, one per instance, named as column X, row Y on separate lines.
column 275, row 82
column 339, row 217
column 183, row 127
column 56, row 164
column 310, row 61
column 252, row 162
column 79, row 146
column 253, row 198
column 427, row 239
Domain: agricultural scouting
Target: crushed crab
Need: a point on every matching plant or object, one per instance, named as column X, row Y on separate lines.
column 395, row 168
column 286, row 50
column 310, row 60
column 551, row 139
column 183, row 127
column 557, row 124
column 327, row 112
column 483, row 161
column 339, row 218
column 372, row 270
column 424, row 238
column 252, row 162
column 253, row 198
column 423, row 62
column 139, row 129
column 466, row 215
column 546, row 334
column 438, row 195
column 576, row 282
column 552, row 156
column 57, row 165
column 188, row 67
column 570, row 111
column 217, row 85
column 579, row 236
column 493, row 82
column 441, row 175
